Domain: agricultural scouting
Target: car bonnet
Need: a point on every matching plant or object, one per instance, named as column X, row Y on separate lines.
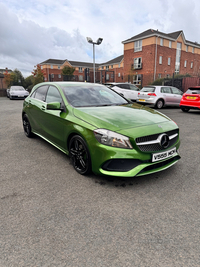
column 118, row 118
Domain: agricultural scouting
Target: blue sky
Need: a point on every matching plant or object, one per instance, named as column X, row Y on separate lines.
column 34, row 31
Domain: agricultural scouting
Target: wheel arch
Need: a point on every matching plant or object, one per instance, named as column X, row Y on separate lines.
column 162, row 99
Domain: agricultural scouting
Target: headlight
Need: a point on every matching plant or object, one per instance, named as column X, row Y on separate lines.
column 110, row 138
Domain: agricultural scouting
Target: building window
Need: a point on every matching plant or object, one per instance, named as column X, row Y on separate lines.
column 41, row 67
column 52, row 75
column 169, row 61
column 138, row 63
column 102, row 67
column 119, row 74
column 167, row 76
column 111, row 66
column 138, row 46
column 58, row 67
column 137, row 79
column 80, row 69
column 80, row 77
column 191, row 65
column 185, row 63
column 159, row 76
column 160, row 59
column 107, row 67
column 51, row 66
column 161, row 41
column 193, row 50
column 119, row 65
column 186, row 48
column 107, row 77
column 170, row 44
column 178, row 58
column 59, row 76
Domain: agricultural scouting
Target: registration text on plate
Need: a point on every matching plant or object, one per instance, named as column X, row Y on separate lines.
column 163, row 155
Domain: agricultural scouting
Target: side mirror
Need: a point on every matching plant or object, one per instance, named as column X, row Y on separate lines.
column 54, row 106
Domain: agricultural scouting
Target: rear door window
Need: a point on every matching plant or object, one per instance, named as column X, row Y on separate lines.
column 123, row 86
column 176, row 91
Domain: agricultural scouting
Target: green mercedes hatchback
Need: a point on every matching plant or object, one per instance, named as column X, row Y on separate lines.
column 101, row 131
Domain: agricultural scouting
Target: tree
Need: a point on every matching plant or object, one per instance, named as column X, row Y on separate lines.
column 38, row 75
column 28, row 82
column 18, row 78
column 9, row 78
column 68, row 70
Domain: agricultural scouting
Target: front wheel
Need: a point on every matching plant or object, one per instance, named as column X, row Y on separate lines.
column 27, row 126
column 185, row 109
column 159, row 104
column 80, row 155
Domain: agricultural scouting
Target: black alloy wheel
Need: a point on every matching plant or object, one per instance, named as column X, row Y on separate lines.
column 27, row 126
column 185, row 109
column 159, row 104
column 80, row 155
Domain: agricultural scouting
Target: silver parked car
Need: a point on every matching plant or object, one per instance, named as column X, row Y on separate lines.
column 17, row 92
column 160, row 96
column 128, row 90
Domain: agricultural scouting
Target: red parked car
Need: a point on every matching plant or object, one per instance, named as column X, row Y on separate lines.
column 191, row 99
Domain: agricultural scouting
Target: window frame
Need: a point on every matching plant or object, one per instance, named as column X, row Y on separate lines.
column 138, row 46
column 160, row 60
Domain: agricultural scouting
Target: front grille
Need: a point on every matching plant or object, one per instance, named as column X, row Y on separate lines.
column 152, row 145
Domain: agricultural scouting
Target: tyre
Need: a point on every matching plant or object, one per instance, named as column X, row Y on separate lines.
column 79, row 154
column 185, row 109
column 27, row 126
column 159, row 104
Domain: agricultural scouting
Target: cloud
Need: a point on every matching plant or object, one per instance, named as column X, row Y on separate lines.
column 34, row 31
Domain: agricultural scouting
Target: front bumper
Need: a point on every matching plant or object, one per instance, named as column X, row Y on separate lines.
column 119, row 162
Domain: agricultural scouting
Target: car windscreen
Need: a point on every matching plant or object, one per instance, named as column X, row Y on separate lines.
column 148, row 89
column 17, row 88
column 193, row 91
column 92, row 95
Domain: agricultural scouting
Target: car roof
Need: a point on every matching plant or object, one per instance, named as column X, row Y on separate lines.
column 194, row 87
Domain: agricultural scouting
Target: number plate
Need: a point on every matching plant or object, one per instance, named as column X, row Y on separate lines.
column 163, row 155
column 141, row 100
column 191, row 97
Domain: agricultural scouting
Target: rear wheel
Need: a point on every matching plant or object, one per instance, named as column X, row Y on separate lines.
column 185, row 109
column 80, row 155
column 159, row 104
column 27, row 126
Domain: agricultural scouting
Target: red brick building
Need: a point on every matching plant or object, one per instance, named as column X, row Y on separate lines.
column 152, row 54
column 147, row 56
column 109, row 71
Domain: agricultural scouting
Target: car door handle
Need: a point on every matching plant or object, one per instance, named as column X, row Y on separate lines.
column 43, row 107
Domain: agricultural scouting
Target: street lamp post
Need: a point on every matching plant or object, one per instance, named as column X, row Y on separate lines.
column 98, row 42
